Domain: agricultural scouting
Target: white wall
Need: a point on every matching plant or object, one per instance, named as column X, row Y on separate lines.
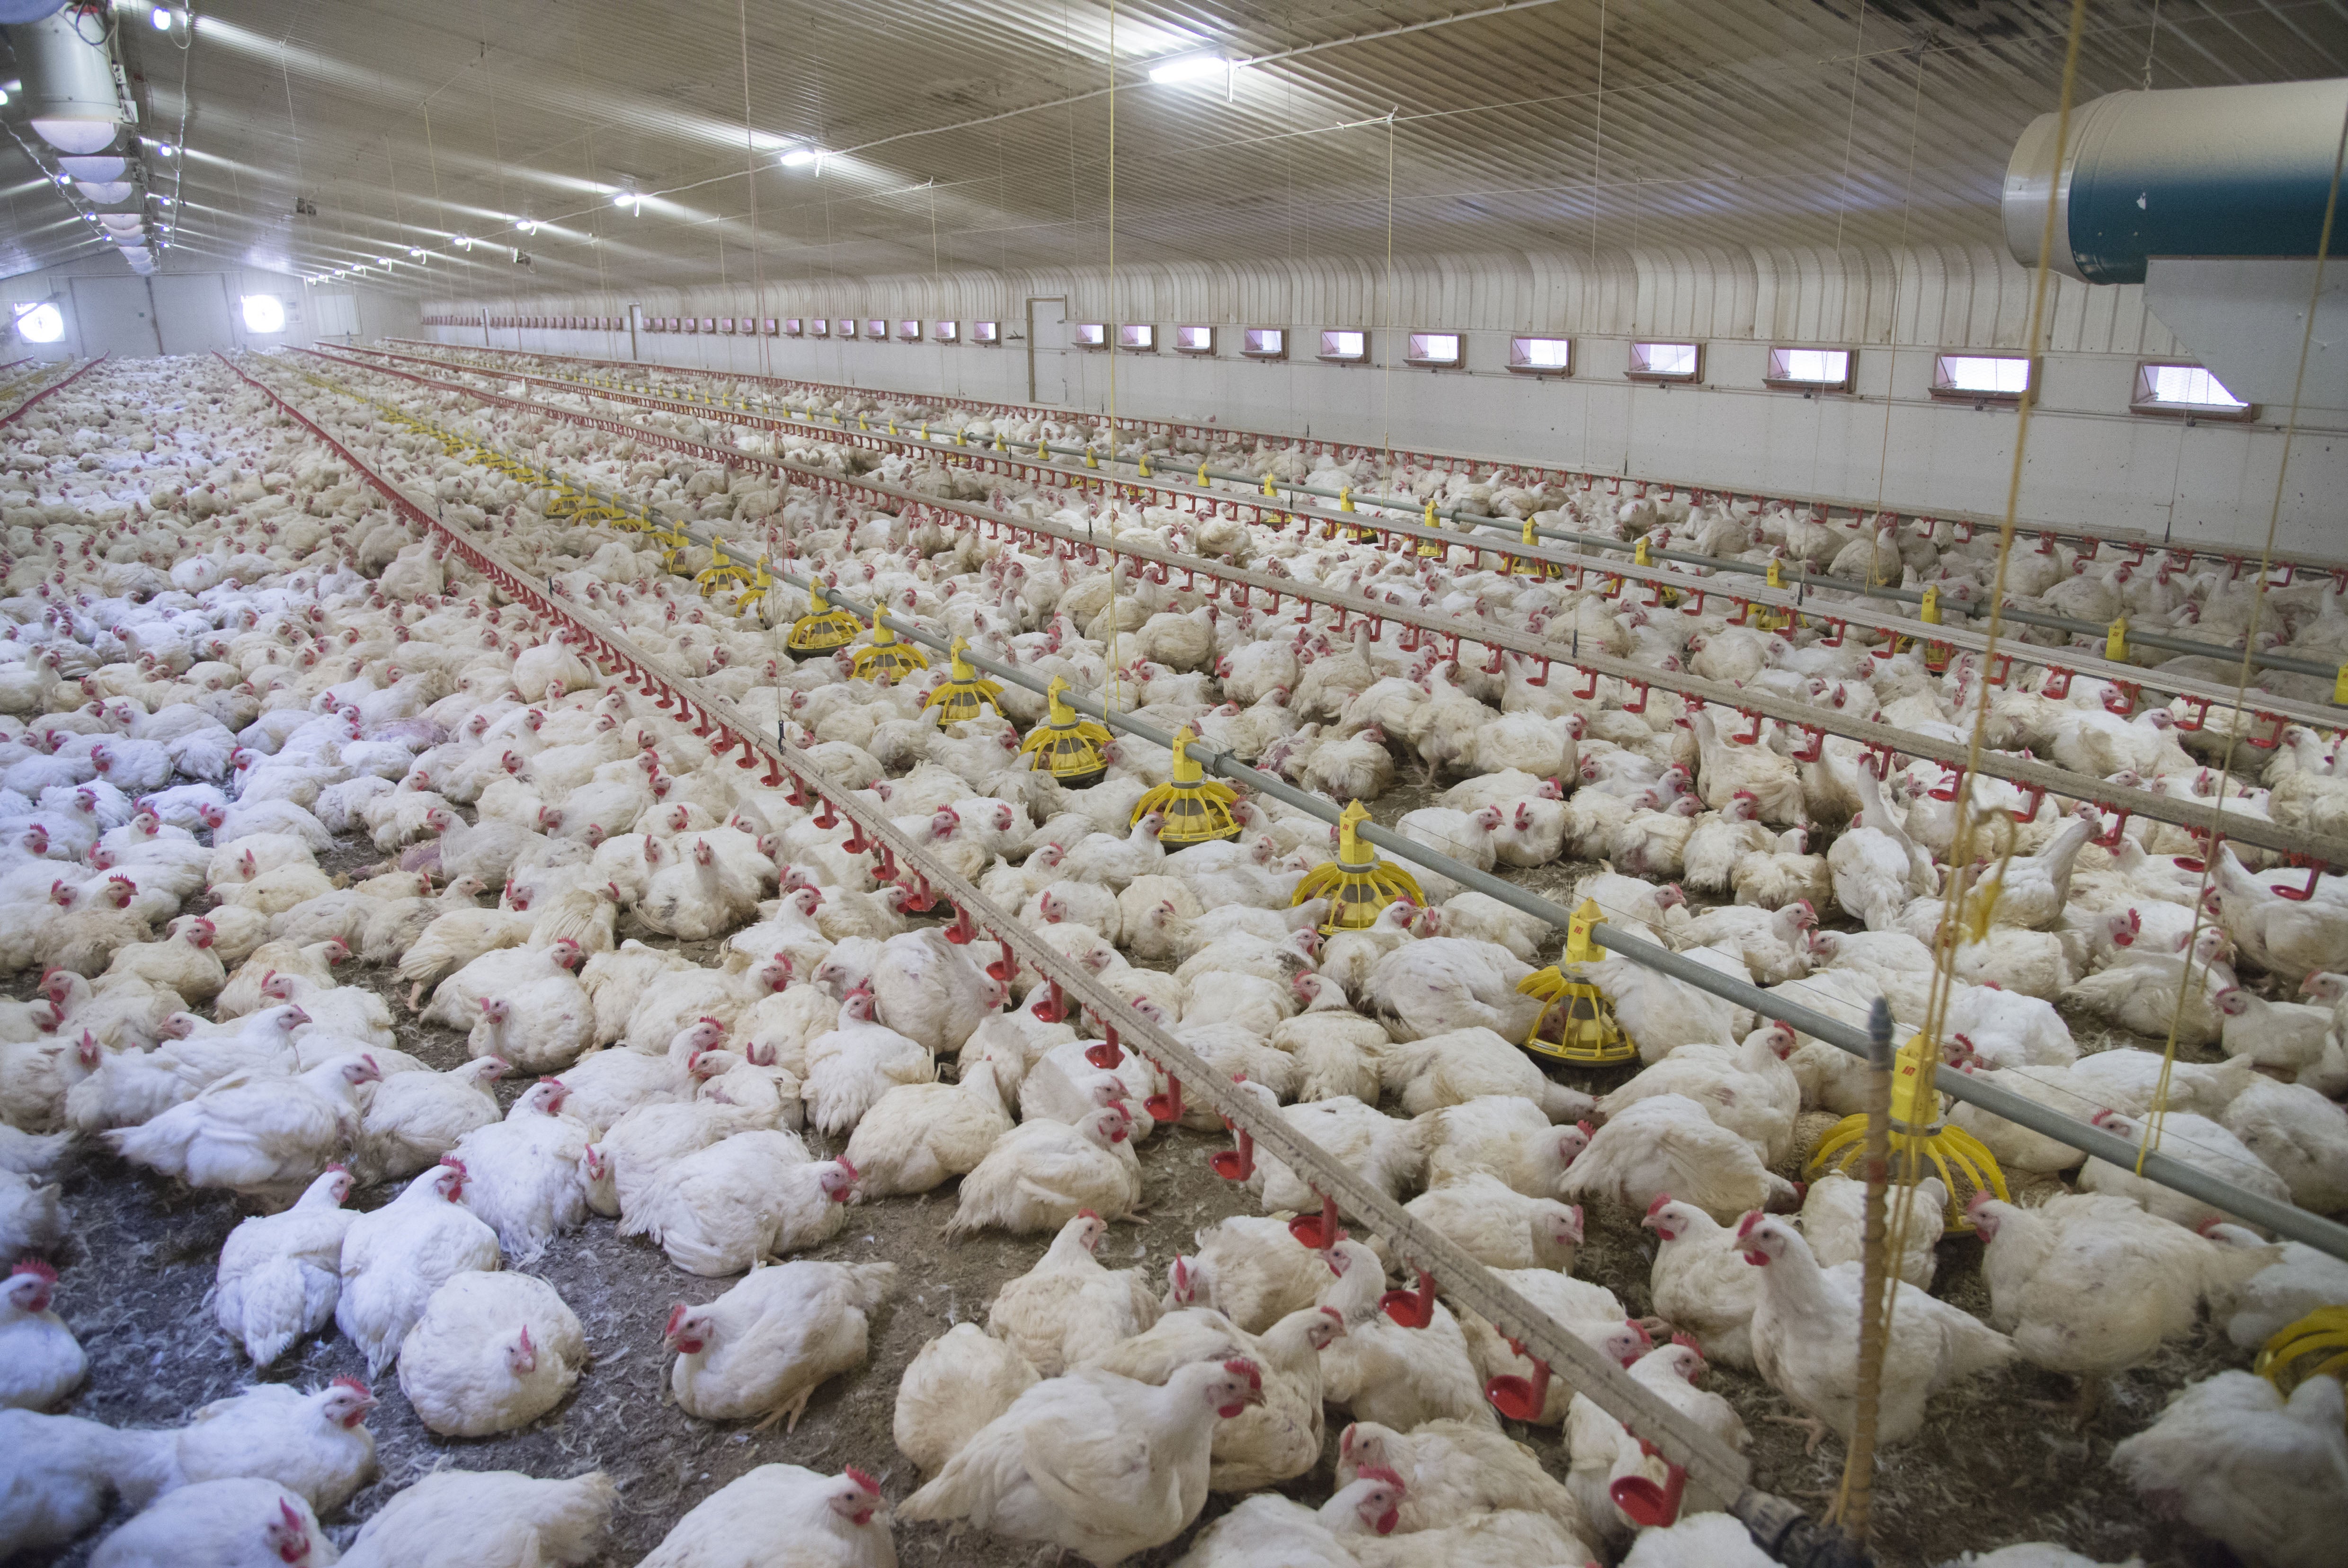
column 2089, row 459
column 111, row 310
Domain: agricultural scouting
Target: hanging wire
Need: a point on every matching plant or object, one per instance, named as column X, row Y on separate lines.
column 1114, row 687
column 2159, row 1114
column 1853, row 1498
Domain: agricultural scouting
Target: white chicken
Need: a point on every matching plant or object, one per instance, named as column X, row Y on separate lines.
column 765, row 1347
column 280, row 1276
column 956, row 1384
column 40, row 1360
column 492, row 1352
column 2232, row 1458
column 265, row 1136
column 394, row 1257
column 1068, row 1310
column 1042, row 1174
column 488, row 1519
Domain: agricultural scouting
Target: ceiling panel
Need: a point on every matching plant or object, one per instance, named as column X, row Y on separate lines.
column 975, row 134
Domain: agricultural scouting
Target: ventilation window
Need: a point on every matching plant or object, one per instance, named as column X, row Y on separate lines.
column 1264, row 343
column 1194, row 340
column 1810, row 369
column 693, row 323
column 1541, row 356
column 1138, row 338
column 41, row 322
column 708, row 324
column 770, row 324
column 1436, row 350
column 266, row 312
column 1091, row 335
column 725, row 325
column 948, row 332
column 910, row 330
column 847, row 327
column 1342, row 347
column 1665, row 361
column 986, row 332
column 793, row 327
column 876, row 329
column 1982, row 377
column 820, row 326
column 2186, row 389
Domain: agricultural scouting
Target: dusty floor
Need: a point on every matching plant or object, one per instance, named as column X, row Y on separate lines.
column 1997, row 1465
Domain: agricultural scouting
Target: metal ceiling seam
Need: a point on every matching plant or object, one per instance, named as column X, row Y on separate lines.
column 2025, row 774
column 2210, row 694
column 2285, row 1218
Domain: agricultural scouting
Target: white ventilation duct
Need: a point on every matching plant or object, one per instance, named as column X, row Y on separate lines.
column 108, row 166
column 69, row 91
column 122, row 222
column 105, row 194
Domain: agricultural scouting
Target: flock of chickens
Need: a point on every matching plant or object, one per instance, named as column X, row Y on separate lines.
column 227, row 658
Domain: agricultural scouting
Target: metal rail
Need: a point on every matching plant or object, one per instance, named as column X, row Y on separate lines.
column 2285, row 1218
column 19, row 411
column 1585, row 479
column 1710, row 1463
column 2208, row 694
column 2035, row 778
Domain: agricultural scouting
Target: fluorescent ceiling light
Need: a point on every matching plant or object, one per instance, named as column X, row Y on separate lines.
column 800, row 157
column 161, row 17
column 1190, row 69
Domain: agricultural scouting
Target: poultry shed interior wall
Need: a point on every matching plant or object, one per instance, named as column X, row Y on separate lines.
column 175, row 312
column 2089, row 459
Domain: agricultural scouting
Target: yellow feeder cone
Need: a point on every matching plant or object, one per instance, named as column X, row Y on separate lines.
column 1918, row 1138
column 1357, row 884
column 1197, row 809
column 1068, row 745
column 1575, row 1024
column 823, row 630
column 965, row 694
column 885, row 659
column 1427, row 547
column 1522, row 567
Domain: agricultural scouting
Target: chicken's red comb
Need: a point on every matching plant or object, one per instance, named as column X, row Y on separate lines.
column 1088, row 1213
column 1684, row 1338
column 354, row 1385
column 1588, row 1131
column 1744, row 1227
column 36, row 1268
column 2101, row 1116
column 1380, row 1473
column 293, row 1520
column 707, row 1019
column 337, row 1165
column 844, row 1164
column 1240, row 1366
column 1657, row 1206
column 862, row 1480
column 676, row 1316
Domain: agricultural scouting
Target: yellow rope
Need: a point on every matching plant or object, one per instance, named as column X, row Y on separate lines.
column 1852, row 1497
column 2159, row 1114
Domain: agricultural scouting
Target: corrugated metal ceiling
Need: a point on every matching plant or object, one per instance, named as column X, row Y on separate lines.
column 977, row 135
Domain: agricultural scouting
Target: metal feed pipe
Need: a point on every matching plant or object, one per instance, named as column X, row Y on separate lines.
column 950, row 451
column 2032, row 778
column 1585, row 478
column 2285, row 1218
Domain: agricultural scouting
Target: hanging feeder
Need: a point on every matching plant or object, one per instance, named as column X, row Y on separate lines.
column 1918, row 1138
column 1525, row 566
column 885, row 659
column 2314, row 1346
column 965, row 694
column 1197, row 809
column 823, row 630
column 1357, row 884
column 1576, row 1026
column 1068, row 745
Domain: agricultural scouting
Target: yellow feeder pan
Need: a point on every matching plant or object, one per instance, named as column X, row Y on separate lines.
column 1358, row 885
column 1428, row 549
column 2314, row 1346
column 884, row 659
column 1918, row 1138
column 965, row 694
column 1198, row 810
column 1524, row 566
column 1068, row 745
column 823, row 630
column 1576, row 1026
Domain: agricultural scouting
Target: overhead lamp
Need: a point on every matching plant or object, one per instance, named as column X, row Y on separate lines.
column 161, row 17
column 464, row 242
column 165, row 150
column 526, row 225
column 1188, row 68
column 800, row 157
column 415, row 249
column 62, row 178
column 4, row 95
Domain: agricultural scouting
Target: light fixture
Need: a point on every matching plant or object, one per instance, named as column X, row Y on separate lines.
column 4, row 95
column 264, row 313
column 62, row 178
column 800, row 157
column 527, row 225
column 1188, row 68
column 464, row 242
column 165, row 150
column 415, row 249
column 161, row 17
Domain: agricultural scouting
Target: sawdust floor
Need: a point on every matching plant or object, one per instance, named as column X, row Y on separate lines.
column 1993, row 1467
